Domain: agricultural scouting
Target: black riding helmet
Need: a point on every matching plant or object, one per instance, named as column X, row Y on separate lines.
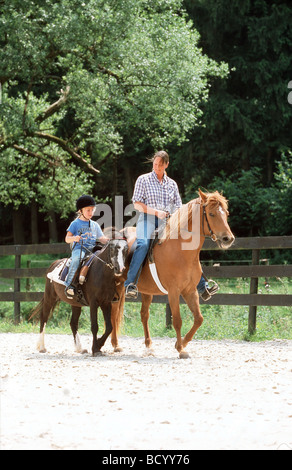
column 84, row 201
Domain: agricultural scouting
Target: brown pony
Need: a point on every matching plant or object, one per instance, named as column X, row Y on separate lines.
column 98, row 291
column 178, row 266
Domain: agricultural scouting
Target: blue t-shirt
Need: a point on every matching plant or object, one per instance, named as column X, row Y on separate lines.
column 90, row 232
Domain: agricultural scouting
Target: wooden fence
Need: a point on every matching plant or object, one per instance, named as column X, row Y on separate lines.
column 252, row 271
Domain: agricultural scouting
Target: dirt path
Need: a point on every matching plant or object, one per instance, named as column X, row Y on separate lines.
column 229, row 395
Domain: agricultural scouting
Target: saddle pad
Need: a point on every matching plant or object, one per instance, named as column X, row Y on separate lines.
column 55, row 274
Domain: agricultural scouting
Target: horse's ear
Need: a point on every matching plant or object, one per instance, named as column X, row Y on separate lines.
column 202, row 196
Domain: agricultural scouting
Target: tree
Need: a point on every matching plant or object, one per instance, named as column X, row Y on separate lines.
column 83, row 82
column 247, row 118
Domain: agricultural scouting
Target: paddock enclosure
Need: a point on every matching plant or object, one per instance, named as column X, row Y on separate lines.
column 229, row 395
column 253, row 268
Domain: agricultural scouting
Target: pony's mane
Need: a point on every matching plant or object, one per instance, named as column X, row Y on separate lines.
column 112, row 233
column 182, row 217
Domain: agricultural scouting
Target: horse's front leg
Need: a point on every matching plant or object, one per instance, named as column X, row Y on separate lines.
column 106, row 310
column 177, row 324
column 117, row 312
column 192, row 300
column 76, row 312
column 146, row 302
column 94, row 327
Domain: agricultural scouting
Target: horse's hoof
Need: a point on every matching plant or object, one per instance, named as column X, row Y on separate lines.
column 184, row 355
column 84, row 351
column 118, row 349
column 97, row 353
column 149, row 352
column 42, row 351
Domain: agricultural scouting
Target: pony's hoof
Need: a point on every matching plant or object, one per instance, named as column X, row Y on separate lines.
column 184, row 355
column 97, row 353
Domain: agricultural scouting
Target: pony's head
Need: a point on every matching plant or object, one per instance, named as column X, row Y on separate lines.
column 118, row 249
column 214, row 219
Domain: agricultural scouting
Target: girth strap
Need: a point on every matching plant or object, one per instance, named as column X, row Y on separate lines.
column 153, row 270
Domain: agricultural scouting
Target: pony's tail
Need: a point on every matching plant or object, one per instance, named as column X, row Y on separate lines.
column 39, row 309
column 36, row 312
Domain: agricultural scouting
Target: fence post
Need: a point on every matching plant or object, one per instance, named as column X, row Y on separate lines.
column 17, row 265
column 254, row 282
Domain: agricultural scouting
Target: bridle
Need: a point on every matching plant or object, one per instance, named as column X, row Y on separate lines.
column 108, row 264
column 213, row 236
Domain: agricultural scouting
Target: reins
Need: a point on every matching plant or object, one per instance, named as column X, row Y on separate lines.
column 109, row 265
column 204, row 216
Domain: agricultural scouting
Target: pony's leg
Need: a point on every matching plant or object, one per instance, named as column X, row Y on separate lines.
column 41, row 342
column 76, row 312
column 94, row 326
column 116, row 318
column 106, row 310
column 146, row 302
column 177, row 324
column 192, row 300
column 48, row 303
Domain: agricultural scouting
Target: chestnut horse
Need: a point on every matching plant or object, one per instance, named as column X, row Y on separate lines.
column 178, row 265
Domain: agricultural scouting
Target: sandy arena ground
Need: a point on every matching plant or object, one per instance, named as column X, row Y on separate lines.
column 229, row 395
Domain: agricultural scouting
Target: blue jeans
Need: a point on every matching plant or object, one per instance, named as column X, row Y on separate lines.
column 77, row 255
column 145, row 227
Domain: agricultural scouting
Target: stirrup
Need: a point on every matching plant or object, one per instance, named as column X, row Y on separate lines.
column 214, row 288
column 131, row 291
column 69, row 292
column 209, row 291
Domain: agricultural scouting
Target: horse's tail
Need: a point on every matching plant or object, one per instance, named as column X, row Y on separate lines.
column 39, row 309
column 36, row 312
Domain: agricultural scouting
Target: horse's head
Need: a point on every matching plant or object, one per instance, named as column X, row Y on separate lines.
column 214, row 219
column 118, row 250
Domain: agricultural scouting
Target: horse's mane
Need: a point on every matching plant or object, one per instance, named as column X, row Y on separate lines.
column 216, row 199
column 182, row 217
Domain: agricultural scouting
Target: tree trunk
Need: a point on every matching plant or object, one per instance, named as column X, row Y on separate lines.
column 53, row 233
column 34, row 223
column 18, row 233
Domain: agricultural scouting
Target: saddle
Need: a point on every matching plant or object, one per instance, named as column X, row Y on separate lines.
column 60, row 272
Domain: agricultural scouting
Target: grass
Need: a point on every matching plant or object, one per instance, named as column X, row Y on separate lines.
column 220, row 322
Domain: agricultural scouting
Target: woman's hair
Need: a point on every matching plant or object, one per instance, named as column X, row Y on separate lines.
column 161, row 154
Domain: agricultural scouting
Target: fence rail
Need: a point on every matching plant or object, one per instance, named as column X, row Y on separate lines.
column 252, row 271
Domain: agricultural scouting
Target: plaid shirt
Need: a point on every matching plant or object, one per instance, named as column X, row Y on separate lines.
column 161, row 196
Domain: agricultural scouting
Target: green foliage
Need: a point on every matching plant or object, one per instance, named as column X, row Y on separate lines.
column 249, row 201
column 247, row 119
column 281, row 220
column 84, row 80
